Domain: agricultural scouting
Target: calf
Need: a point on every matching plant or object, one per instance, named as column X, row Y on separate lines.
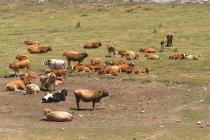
column 93, row 96
column 177, row 56
column 55, row 97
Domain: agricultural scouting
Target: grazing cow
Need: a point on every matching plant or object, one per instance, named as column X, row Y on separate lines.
column 47, row 81
column 147, row 50
column 129, row 54
column 111, row 50
column 54, row 63
column 32, row 89
column 177, row 56
column 73, row 56
column 93, row 96
column 152, row 56
column 55, row 97
column 18, row 85
column 91, row 45
column 20, row 65
column 169, row 39
column 95, row 61
column 142, row 70
column 57, row 116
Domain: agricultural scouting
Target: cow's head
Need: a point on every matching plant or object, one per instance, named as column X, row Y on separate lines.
column 105, row 93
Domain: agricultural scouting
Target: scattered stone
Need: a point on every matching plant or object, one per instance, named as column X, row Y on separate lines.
column 161, row 126
column 188, row 90
column 198, row 122
column 81, row 115
column 142, row 111
column 202, row 100
column 178, row 121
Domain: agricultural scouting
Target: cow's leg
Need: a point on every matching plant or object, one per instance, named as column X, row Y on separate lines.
column 69, row 62
column 77, row 102
column 54, row 86
column 93, row 106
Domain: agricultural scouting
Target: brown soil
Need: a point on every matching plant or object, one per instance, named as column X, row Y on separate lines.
column 121, row 109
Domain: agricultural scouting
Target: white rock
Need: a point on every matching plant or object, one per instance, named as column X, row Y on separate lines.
column 142, row 111
column 198, row 122
column 188, row 90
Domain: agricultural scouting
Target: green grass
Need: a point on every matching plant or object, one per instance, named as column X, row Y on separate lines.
column 130, row 27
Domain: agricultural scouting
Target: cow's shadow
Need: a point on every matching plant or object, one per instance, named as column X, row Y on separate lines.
column 85, row 109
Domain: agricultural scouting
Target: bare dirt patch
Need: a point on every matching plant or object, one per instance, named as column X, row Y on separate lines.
column 123, row 108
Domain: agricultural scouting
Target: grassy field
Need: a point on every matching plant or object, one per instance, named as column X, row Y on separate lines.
column 129, row 27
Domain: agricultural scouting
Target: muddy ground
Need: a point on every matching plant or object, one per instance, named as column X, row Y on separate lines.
column 123, row 108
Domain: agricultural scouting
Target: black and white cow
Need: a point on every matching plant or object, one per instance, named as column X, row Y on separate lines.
column 55, row 97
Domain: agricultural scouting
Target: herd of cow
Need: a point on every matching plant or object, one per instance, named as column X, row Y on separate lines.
column 57, row 72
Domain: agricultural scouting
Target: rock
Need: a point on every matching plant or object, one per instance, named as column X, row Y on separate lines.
column 161, row 126
column 142, row 111
column 198, row 122
column 178, row 121
column 188, row 90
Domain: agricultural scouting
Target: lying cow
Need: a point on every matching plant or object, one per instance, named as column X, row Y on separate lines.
column 57, row 116
column 129, row 54
column 32, row 89
column 93, row 96
column 19, row 85
column 54, row 63
column 147, row 50
column 55, row 97
column 177, row 56
column 91, row 45
column 191, row 56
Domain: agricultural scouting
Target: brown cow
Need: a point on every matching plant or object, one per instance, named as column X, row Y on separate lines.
column 93, row 96
column 111, row 50
column 147, row 50
column 20, row 65
column 74, row 56
column 169, row 39
column 91, row 45
column 18, row 85
column 129, row 54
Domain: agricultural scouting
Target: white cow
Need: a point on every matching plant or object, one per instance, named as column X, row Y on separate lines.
column 54, row 63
